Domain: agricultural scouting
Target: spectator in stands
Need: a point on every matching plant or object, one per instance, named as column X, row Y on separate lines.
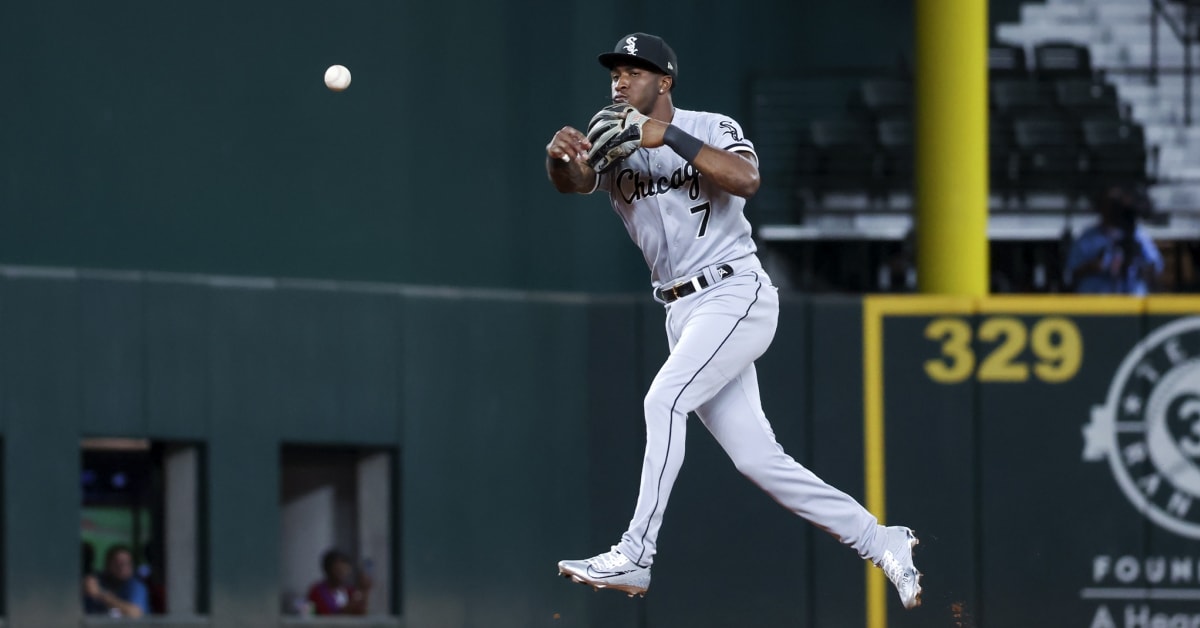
column 344, row 590
column 116, row 591
column 1116, row 256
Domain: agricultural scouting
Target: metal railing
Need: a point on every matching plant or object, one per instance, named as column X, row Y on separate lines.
column 1184, row 25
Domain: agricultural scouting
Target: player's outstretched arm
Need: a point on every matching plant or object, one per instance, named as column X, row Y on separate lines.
column 566, row 162
column 736, row 173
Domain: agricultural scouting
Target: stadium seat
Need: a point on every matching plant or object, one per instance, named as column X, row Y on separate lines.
column 886, row 98
column 847, row 155
column 1015, row 98
column 1003, row 159
column 1060, row 59
column 1007, row 61
column 807, row 168
column 1051, row 157
column 896, row 144
column 1085, row 98
column 1116, row 151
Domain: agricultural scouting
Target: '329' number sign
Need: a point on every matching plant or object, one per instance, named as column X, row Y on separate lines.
column 1055, row 344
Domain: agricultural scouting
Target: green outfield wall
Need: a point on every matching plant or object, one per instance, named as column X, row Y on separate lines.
column 199, row 137
column 1042, row 498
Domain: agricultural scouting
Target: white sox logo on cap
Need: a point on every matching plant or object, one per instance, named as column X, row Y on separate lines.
column 1149, row 427
column 642, row 50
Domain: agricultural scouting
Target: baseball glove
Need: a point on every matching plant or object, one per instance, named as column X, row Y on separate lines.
column 614, row 132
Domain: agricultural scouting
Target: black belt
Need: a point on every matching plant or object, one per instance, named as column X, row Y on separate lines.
column 690, row 286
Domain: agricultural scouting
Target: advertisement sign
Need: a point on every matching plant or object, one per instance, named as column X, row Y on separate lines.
column 1047, row 451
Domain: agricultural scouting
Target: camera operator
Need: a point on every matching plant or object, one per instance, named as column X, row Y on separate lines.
column 1115, row 256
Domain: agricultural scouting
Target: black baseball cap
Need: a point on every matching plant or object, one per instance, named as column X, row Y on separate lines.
column 642, row 50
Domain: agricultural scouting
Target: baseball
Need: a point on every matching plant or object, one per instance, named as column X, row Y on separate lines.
column 337, row 78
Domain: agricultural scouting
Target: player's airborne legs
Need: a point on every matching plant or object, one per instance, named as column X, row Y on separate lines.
column 710, row 337
column 735, row 418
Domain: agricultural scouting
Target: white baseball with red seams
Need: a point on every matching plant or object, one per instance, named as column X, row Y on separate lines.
column 337, row 78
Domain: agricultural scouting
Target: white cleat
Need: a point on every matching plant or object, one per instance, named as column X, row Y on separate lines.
column 897, row 564
column 610, row 570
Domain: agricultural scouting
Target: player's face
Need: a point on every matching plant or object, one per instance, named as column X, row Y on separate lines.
column 636, row 86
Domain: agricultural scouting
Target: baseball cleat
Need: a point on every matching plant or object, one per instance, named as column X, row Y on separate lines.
column 610, row 570
column 897, row 564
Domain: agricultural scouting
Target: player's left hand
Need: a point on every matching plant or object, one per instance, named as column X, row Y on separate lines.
column 615, row 132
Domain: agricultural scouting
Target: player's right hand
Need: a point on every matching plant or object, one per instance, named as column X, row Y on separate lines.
column 568, row 142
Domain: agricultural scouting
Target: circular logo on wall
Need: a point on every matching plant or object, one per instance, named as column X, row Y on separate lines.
column 1149, row 427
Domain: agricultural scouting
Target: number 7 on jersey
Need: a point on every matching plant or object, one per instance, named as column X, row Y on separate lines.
column 702, row 208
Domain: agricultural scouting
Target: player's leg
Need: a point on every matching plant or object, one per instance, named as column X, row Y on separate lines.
column 716, row 335
column 712, row 335
column 736, row 420
column 626, row 567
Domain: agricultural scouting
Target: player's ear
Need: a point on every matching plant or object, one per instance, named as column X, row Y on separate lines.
column 664, row 84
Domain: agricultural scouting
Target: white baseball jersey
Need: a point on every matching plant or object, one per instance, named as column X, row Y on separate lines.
column 680, row 221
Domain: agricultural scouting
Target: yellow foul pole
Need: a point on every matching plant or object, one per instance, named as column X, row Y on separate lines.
column 951, row 202
column 951, row 147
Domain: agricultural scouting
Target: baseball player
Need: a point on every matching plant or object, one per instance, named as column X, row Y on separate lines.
column 679, row 180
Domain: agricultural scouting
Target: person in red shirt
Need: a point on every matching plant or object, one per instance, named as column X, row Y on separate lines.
column 343, row 591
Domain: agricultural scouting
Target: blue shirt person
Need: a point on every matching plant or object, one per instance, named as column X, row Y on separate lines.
column 1115, row 256
column 116, row 591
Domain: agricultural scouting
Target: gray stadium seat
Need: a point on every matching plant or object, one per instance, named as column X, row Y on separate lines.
column 1014, row 98
column 1007, row 61
column 848, row 157
column 1003, row 159
column 1116, row 151
column 1085, row 98
column 896, row 144
column 1061, row 59
column 1051, row 156
column 885, row 98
